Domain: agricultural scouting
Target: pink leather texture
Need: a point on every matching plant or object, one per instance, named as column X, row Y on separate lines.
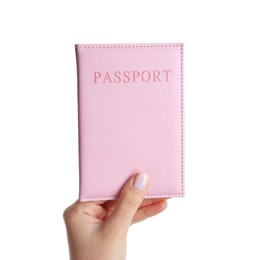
column 130, row 118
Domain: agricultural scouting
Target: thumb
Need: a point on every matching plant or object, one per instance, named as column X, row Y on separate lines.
column 129, row 201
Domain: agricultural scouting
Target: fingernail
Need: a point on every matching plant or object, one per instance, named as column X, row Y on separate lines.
column 141, row 181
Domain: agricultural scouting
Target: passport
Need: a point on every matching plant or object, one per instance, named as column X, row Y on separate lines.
column 130, row 118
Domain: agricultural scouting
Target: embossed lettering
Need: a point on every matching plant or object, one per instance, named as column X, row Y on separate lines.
column 117, row 77
column 132, row 76
column 97, row 75
column 167, row 74
column 126, row 76
column 107, row 78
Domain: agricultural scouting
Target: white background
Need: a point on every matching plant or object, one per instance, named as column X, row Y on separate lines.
column 219, row 217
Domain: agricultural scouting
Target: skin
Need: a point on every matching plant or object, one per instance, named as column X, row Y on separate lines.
column 98, row 230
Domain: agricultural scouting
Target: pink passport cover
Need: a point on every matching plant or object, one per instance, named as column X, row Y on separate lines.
column 131, row 118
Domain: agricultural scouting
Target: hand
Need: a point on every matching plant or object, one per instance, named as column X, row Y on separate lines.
column 98, row 230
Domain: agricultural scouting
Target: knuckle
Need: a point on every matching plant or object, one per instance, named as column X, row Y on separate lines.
column 131, row 201
column 70, row 213
column 67, row 214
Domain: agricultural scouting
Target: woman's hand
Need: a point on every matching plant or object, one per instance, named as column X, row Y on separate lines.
column 98, row 230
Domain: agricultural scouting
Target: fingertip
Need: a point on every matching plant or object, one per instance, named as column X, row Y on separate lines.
column 141, row 181
column 163, row 204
